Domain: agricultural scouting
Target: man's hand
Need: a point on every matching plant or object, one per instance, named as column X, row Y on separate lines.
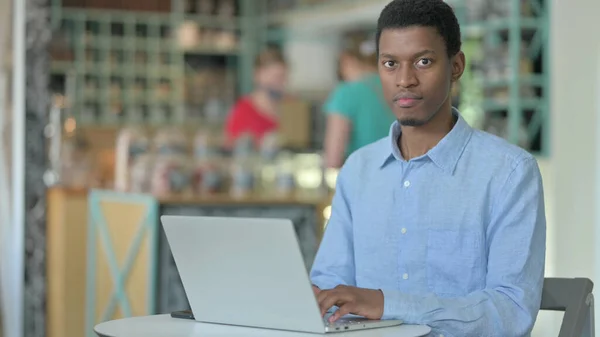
column 351, row 300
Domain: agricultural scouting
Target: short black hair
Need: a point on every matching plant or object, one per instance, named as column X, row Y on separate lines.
column 424, row 13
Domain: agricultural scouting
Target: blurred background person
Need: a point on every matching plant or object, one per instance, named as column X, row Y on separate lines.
column 357, row 114
column 257, row 113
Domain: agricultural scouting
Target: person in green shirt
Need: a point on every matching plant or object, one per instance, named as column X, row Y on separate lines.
column 357, row 114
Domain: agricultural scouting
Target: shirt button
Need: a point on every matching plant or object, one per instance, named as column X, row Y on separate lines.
column 403, row 230
column 405, row 276
column 406, row 183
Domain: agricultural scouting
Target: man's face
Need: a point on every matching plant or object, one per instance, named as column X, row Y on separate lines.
column 416, row 73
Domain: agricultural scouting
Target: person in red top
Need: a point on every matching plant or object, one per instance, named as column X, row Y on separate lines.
column 256, row 113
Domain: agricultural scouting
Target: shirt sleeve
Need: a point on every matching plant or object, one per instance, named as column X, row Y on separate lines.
column 334, row 263
column 510, row 302
column 342, row 102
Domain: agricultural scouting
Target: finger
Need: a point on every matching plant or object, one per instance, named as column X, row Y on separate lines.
column 323, row 294
column 341, row 312
column 337, row 298
column 323, row 299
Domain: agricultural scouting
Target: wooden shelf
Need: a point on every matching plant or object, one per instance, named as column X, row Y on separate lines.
column 254, row 198
column 145, row 46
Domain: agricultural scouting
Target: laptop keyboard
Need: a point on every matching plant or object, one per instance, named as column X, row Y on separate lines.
column 347, row 322
column 344, row 321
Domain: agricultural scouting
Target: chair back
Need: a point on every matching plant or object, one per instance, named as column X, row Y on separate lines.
column 574, row 297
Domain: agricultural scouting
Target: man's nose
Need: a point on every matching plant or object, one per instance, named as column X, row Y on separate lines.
column 406, row 77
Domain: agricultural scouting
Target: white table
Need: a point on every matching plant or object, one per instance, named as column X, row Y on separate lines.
column 166, row 326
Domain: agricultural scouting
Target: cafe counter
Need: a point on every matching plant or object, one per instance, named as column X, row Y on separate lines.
column 108, row 256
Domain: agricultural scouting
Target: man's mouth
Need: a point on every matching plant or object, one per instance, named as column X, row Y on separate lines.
column 406, row 101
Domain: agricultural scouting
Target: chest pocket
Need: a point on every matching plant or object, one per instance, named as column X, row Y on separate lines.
column 455, row 262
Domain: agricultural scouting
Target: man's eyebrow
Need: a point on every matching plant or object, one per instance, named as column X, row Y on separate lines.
column 419, row 54
column 424, row 52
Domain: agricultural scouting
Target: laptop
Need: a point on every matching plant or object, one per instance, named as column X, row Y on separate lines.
column 249, row 272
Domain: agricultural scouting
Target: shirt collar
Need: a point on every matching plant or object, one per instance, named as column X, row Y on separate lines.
column 445, row 154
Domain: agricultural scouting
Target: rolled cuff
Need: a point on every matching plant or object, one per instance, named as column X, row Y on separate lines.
column 397, row 305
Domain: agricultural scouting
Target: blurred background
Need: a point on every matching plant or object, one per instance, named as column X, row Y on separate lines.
column 115, row 112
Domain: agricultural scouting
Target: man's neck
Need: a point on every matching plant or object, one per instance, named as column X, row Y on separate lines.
column 416, row 141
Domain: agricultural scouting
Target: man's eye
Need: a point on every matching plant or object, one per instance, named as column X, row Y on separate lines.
column 389, row 64
column 424, row 62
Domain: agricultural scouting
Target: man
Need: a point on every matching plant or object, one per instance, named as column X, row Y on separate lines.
column 437, row 224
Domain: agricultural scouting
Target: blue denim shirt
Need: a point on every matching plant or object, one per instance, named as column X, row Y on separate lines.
column 455, row 239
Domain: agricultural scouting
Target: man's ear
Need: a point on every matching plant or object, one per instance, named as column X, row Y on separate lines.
column 458, row 66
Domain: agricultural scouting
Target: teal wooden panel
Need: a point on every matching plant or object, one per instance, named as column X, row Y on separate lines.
column 97, row 227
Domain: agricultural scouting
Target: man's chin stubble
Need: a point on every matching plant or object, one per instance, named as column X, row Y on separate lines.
column 411, row 122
